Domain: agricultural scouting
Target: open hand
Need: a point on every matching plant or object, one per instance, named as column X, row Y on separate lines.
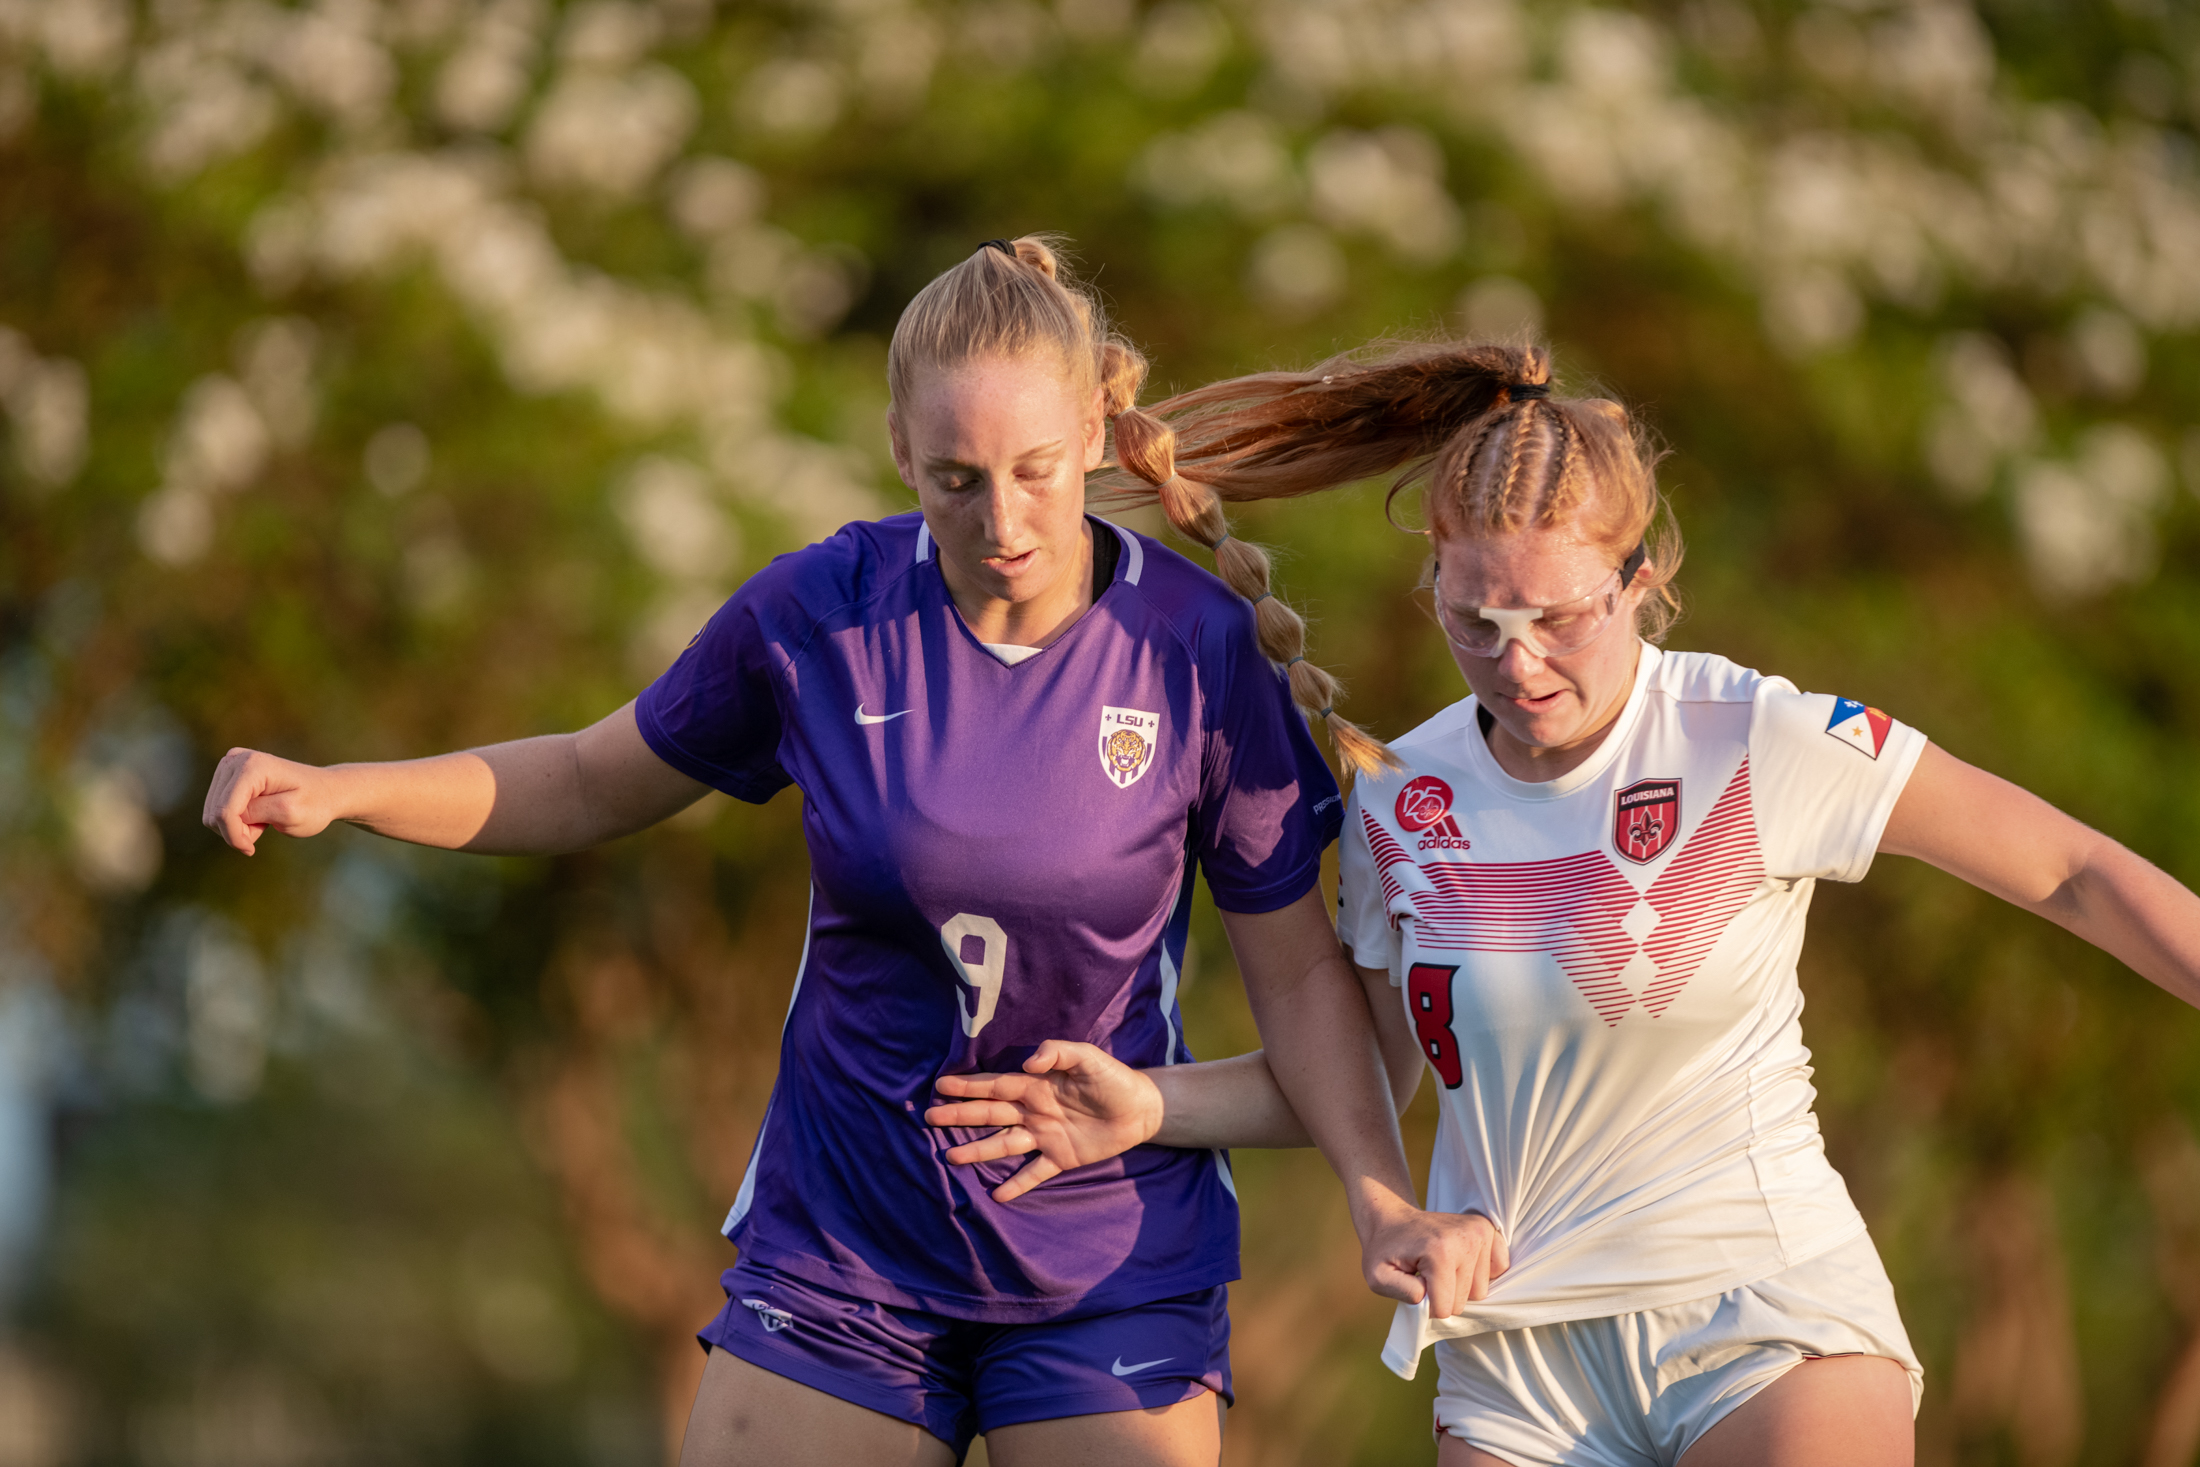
column 1074, row 1104
column 253, row 792
column 1447, row 1258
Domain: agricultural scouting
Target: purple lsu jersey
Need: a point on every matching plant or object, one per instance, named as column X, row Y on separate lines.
column 999, row 855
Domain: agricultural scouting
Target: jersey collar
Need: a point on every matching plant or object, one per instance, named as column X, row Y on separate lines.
column 1484, row 763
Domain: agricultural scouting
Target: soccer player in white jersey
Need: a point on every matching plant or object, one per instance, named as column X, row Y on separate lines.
column 1579, row 906
column 1018, row 733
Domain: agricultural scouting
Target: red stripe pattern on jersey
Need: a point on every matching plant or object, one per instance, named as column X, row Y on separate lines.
column 1584, row 913
column 1709, row 882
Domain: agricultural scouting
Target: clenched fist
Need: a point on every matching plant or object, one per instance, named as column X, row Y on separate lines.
column 253, row 792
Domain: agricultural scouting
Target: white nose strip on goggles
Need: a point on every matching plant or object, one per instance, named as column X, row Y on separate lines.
column 1512, row 626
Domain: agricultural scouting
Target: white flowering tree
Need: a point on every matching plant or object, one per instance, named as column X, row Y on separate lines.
column 384, row 376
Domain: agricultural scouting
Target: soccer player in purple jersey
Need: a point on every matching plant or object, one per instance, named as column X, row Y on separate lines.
column 1018, row 732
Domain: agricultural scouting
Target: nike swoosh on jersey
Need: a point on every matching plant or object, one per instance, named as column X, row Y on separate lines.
column 1119, row 1368
column 863, row 717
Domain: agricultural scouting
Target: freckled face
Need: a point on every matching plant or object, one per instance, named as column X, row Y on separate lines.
column 997, row 451
column 1555, row 703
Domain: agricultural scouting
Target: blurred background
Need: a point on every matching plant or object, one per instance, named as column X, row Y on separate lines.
column 386, row 376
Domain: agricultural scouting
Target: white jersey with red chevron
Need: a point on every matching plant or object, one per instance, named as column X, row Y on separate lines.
column 1601, row 971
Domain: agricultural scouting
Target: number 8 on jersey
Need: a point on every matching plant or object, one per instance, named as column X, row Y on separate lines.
column 1428, row 995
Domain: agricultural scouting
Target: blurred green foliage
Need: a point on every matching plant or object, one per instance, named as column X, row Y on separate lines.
column 386, row 376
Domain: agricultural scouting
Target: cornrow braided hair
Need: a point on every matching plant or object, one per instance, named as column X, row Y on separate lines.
column 1475, row 423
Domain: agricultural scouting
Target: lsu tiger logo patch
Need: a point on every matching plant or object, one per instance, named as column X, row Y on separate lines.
column 1128, row 737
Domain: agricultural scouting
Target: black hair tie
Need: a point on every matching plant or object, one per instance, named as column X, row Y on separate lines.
column 1527, row 391
column 1000, row 244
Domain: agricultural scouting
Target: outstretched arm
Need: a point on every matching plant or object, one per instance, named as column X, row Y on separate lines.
column 2010, row 842
column 540, row 796
column 1236, row 1101
column 1075, row 1105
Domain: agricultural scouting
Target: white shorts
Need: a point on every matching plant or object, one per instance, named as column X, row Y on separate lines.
column 1631, row 1390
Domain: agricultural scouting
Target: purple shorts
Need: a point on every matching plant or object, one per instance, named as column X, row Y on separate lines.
column 958, row 1378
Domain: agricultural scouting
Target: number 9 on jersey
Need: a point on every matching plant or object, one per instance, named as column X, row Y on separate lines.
column 979, row 950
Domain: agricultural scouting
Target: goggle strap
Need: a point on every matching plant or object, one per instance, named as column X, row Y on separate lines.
column 1632, row 564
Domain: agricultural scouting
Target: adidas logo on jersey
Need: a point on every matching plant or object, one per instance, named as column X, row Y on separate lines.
column 1424, row 809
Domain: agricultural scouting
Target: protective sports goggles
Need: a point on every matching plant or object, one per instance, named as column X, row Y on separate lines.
column 1547, row 631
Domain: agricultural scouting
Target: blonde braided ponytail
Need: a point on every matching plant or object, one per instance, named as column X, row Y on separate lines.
column 1146, row 446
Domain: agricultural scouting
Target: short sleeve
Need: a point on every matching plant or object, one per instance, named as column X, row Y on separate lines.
column 1825, row 773
column 714, row 715
column 1268, row 805
column 1363, row 911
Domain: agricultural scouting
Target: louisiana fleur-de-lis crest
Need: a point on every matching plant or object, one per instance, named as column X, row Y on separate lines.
column 1645, row 817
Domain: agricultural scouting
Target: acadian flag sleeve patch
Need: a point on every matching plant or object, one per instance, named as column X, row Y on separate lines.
column 1862, row 729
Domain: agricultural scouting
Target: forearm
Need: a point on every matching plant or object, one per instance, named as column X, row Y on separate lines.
column 1227, row 1102
column 519, row 798
column 1321, row 1049
column 1236, row 1101
column 539, row 796
column 1403, row 1056
column 2134, row 911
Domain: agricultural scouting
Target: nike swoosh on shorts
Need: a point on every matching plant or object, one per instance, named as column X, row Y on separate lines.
column 1119, row 1368
column 863, row 717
